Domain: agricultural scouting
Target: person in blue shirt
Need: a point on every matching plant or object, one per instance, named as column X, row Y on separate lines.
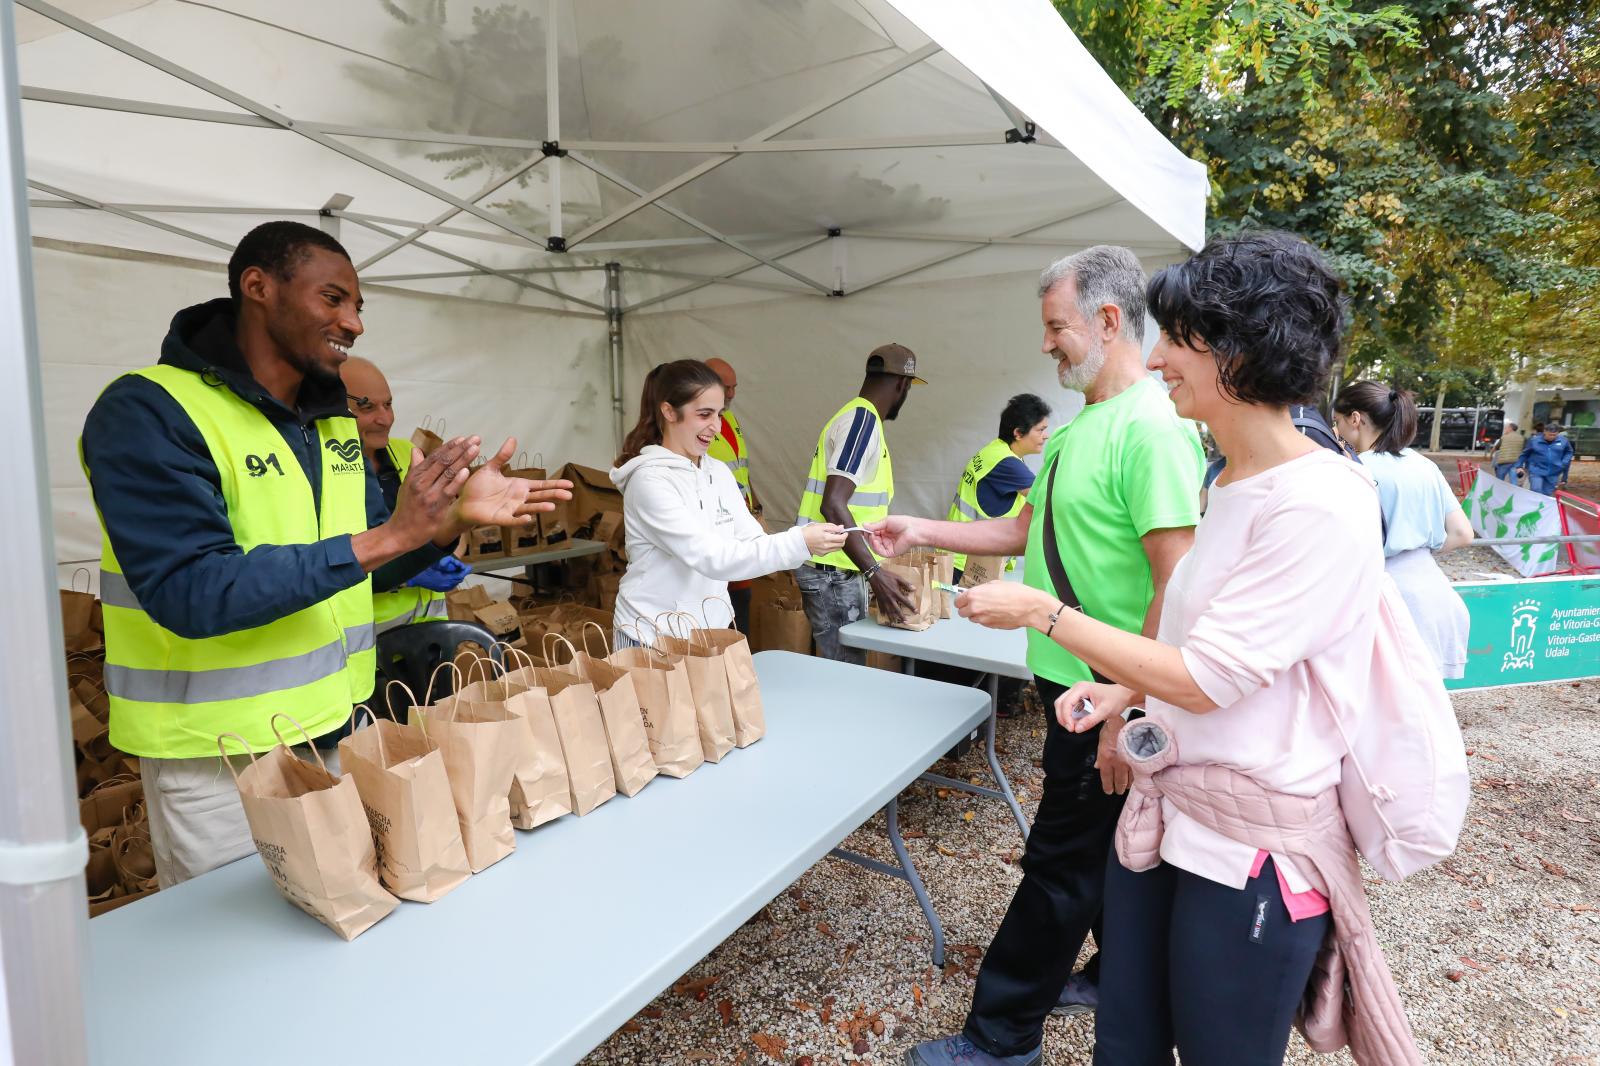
column 1546, row 459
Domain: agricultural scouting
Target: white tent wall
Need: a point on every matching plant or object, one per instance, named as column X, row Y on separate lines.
column 799, row 359
column 488, row 368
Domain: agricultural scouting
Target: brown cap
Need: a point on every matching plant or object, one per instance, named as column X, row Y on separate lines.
column 894, row 359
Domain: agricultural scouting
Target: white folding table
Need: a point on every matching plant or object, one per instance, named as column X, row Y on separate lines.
column 541, row 957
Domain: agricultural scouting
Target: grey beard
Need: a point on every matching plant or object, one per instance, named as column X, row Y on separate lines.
column 1079, row 377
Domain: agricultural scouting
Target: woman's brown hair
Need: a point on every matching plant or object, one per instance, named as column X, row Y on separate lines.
column 1392, row 412
column 675, row 384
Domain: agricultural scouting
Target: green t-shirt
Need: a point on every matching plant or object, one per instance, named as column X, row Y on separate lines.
column 1128, row 465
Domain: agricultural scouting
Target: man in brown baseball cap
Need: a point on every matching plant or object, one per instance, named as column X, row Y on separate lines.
column 851, row 482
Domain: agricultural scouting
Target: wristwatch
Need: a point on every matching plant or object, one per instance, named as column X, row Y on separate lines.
column 872, row 571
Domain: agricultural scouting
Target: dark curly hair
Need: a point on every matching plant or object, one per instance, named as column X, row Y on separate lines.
column 1023, row 412
column 1267, row 307
column 277, row 248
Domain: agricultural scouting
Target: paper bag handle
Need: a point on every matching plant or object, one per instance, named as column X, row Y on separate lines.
column 455, row 676
column 732, row 618
column 389, row 704
column 243, row 743
column 508, row 650
column 548, row 637
column 478, row 671
column 88, row 579
column 605, row 642
column 273, row 722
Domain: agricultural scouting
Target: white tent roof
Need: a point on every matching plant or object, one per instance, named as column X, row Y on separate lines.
column 703, row 139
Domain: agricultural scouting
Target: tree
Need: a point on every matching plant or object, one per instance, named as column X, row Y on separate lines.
column 1441, row 152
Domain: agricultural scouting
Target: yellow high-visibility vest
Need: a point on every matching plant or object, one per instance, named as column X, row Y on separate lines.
column 965, row 507
column 869, row 502
column 405, row 605
column 740, row 464
column 171, row 696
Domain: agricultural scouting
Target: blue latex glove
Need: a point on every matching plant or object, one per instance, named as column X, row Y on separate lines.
column 442, row 576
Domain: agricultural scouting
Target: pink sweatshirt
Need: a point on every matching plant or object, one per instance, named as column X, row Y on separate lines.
column 1278, row 589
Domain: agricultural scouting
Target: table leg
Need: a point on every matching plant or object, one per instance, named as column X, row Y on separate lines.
column 994, row 760
column 906, row 871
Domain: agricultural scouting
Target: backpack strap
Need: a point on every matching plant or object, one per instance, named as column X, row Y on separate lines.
column 1052, row 557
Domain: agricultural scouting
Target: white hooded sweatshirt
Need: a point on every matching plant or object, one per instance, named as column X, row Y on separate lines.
column 689, row 534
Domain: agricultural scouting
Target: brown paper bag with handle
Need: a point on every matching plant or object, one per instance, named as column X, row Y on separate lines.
column 583, row 735
column 632, row 765
column 405, row 790
column 428, row 437
column 927, row 601
column 78, row 616
column 540, row 791
column 310, row 830
column 744, row 688
column 708, row 680
column 667, row 704
column 481, row 744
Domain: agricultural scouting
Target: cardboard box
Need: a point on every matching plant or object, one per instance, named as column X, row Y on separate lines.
column 593, row 494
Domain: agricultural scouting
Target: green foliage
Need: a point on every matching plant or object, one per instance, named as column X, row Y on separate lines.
column 1443, row 153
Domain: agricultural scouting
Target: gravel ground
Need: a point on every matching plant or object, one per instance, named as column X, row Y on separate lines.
column 1496, row 951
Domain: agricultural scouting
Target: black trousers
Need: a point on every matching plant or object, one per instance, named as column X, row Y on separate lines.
column 740, row 599
column 1058, row 902
column 1215, row 971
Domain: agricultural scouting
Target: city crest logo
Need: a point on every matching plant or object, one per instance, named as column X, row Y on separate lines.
column 1524, row 624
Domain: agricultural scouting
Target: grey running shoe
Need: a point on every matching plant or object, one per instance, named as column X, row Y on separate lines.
column 959, row 1051
column 1081, row 996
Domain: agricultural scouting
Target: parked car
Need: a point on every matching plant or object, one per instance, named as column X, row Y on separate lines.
column 1462, row 429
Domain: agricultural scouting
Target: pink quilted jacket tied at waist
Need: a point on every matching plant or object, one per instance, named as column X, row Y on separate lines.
column 1351, row 999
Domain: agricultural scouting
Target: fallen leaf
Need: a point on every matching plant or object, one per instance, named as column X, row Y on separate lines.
column 1476, row 905
column 943, row 850
column 1553, row 869
column 803, row 1060
column 1489, row 758
column 825, row 929
column 725, row 1008
column 1480, row 967
column 699, row 1055
column 632, row 1027
column 653, row 1013
column 849, row 952
column 771, row 1046
column 695, row 989
column 943, row 793
column 1559, row 1013
column 913, row 834
column 916, row 995
column 862, row 1046
column 1455, row 975
column 803, row 905
column 967, row 817
column 1569, row 816
column 801, row 1005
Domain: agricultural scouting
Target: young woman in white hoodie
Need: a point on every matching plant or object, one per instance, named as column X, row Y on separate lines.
column 689, row 531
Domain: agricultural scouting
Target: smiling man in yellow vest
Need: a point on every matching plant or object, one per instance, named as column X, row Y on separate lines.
column 372, row 403
column 851, row 483
column 239, row 552
column 731, row 449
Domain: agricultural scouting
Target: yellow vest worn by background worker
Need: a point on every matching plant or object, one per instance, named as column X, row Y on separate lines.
column 965, row 507
column 869, row 502
column 405, row 605
column 739, row 464
column 171, row 696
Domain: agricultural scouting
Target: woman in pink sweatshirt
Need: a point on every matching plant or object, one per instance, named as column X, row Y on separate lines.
column 1268, row 624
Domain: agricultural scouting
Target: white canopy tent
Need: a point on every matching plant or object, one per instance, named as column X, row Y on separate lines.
column 546, row 197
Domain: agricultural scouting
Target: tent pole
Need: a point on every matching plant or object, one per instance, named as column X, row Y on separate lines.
column 43, row 916
column 556, row 242
column 614, row 332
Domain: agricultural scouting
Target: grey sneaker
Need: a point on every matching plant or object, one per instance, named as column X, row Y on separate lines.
column 959, row 1051
column 1081, row 996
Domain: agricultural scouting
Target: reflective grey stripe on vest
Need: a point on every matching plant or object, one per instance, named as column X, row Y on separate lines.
column 736, row 464
column 967, row 509
column 361, row 638
column 233, row 682
column 116, row 592
column 859, row 499
column 421, row 612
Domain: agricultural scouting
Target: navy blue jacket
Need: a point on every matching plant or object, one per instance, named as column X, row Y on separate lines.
column 159, row 495
column 1546, row 459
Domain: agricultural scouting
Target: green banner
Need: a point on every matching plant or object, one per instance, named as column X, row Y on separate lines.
column 1525, row 632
